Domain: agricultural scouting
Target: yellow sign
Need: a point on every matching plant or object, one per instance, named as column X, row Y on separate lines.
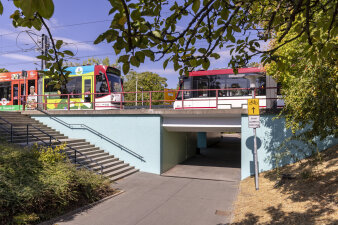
column 253, row 106
column 169, row 96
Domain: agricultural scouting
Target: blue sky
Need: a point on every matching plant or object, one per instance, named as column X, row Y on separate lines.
column 18, row 49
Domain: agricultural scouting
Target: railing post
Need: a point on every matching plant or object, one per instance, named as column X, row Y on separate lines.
column 24, row 103
column 182, row 94
column 45, row 105
column 50, row 140
column 217, row 99
column 94, row 101
column 75, row 156
column 68, row 102
column 150, row 99
column 27, row 134
column 120, row 100
column 12, row 133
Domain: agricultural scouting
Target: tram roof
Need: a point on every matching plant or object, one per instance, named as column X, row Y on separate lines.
column 227, row 71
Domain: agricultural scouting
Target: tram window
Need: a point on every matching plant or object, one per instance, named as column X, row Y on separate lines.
column 201, row 83
column 114, row 83
column 238, row 83
column 185, row 85
column 87, row 90
column 31, row 83
column 5, row 90
column 49, row 87
column 217, row 82
column 74, row 86
column 101, row 85
column 261, row 84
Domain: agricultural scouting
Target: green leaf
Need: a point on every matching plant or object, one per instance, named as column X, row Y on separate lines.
column 58, row 44
column 165, row 63
column 126, row 68
column 67, row 52
column 1, row 8
column 156, row 33
column 196, row 5
column 28, row 7
column 124, row 58
column 134, row 61
column 206, row 64
column 122, row 20
column 193, row 62
column 45, row 8
column 140, row 56
column 149, row 54
column 215, row 55
column 202, row 50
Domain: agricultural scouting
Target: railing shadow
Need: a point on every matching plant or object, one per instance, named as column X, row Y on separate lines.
column 85, row 127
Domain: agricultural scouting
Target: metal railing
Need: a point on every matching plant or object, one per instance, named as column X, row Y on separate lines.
column 144, row 99
column 52, row 140
column 85, row 127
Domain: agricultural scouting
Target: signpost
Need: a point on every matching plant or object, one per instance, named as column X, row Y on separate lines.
column 254, row 122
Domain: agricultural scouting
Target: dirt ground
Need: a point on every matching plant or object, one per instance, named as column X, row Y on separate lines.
column 306, row 194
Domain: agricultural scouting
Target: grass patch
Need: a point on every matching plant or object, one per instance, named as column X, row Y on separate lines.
column 305, row 193
column 39, row 183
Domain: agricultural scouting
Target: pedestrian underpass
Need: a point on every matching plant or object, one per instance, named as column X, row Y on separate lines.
column 220, row 160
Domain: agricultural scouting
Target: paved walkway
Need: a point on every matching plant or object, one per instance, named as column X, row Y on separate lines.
column 152, row 200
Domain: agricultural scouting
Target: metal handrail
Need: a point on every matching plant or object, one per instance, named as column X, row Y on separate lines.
column 50, row 142
column 83, row 126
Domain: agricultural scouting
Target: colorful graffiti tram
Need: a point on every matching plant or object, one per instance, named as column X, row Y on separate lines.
column 89, row 87
column 15, row 85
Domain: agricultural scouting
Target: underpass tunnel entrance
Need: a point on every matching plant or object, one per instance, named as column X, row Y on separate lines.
column 217, row 157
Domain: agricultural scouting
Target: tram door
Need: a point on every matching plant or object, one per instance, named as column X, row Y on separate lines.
column 18, row 93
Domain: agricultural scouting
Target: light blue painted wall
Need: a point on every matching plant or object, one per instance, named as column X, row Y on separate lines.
column 139, row 133
column 201, row 140
column 270, row 136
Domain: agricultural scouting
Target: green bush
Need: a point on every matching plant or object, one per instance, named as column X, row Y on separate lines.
column 37, row 184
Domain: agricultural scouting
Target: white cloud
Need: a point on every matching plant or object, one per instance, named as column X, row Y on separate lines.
column 76, row 45
column 20, row 57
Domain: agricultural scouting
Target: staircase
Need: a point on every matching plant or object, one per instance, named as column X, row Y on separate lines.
column 78, row 150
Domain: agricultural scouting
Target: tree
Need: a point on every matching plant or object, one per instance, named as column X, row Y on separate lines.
column 93, row 61
column 146, row 81
column 309, row 81
column 139, row 29
column 3, row 70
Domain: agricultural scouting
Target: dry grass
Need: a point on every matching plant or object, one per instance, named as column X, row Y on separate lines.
column 308, row 197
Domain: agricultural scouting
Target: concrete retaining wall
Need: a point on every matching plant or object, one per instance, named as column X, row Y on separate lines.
column 139, row 133
column 270, row 137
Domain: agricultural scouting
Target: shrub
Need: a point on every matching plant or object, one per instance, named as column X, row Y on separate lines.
column 38, row 183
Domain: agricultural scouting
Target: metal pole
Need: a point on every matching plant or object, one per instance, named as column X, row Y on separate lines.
column 142, row 96
column 255, row 151
column 43, row 67
column 136, row 92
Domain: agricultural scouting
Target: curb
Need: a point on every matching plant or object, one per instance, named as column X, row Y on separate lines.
column 75, row 211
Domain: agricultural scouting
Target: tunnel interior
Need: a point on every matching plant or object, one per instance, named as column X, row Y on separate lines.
column 218, row 157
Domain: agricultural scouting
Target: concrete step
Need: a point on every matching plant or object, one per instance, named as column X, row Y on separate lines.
column 123, row 175
column 114, row 168
column 106, row 165
column 87, row 153
column 106, row 161
column 83, row 150
column 115, row 173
